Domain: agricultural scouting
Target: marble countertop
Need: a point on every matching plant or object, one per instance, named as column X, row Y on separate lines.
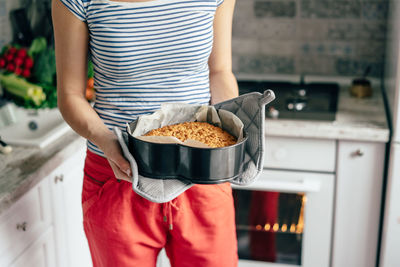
column 27, row 166
column 356, row 119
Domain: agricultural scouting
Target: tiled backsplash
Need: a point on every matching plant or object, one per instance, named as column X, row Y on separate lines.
column 314, row 37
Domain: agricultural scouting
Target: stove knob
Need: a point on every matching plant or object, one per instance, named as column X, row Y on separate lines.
column 300, row 106
column 302, row 92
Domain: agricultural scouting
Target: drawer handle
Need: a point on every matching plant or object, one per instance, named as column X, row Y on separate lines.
column 59, row 178
column 22, row 226
column 358, row 153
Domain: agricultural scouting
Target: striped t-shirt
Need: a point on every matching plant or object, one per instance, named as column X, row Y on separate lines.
column 146, row 53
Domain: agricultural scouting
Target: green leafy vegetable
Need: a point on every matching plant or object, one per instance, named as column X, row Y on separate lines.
column 90, row 69
column 38, row 45
column 44, row 69
column 51, row 96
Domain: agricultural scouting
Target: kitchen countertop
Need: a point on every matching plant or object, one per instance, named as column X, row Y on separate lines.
column 356, row 119
column 27, row 166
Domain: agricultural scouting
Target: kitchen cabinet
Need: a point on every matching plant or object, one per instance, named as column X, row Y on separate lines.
column 66, row 186
column 26, row 230
column 40, row 253
column 359, row 176
column 45, row 227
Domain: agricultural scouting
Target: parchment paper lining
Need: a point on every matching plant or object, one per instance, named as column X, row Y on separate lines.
column 170, row 114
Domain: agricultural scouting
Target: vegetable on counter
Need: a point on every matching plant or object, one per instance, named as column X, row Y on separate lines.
column 16, row 60
column 44, row 70
column 90, row 93
column 21, row 88
column 29, row 75
column 38, row 45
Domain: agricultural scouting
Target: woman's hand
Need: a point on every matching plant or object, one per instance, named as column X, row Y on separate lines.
column 113, row 152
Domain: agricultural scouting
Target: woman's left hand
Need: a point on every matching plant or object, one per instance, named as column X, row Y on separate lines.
column 113, row 152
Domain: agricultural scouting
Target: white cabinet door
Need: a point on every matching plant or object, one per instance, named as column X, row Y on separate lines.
column 72, row 246
column 24, row 222
column 40, row 254
column 358, row 200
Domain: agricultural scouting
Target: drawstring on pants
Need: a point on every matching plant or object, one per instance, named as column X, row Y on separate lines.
column 167, row 213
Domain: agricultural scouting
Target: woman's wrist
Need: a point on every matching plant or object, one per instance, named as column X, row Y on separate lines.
column 102, row 139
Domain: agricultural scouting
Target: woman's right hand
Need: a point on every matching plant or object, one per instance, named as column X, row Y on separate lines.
column 113, row 152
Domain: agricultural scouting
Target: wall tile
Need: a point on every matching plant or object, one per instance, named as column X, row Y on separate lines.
column 315, row 65
column 356, row 67
column 264, row 28
column 243, row 28
column 275, row 9
column 264, row 64
column 372, row 49
column 333, row 29
column 245, row 46
column 4, row 38
column 276, row 47
column 243, row 9
column 330, row 9
column 373, row 30
column 326, row 48
column 375, row 10
column 327, row 37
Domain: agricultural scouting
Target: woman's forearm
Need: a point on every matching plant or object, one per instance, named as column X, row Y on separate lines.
column 82, row 118
column 223, row 86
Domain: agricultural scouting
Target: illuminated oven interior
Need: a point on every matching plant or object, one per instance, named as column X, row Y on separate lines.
column 270, row 225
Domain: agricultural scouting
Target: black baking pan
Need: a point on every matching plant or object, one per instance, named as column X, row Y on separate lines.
column 197, row 165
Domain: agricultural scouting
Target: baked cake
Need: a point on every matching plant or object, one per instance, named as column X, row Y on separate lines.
column 200, row 131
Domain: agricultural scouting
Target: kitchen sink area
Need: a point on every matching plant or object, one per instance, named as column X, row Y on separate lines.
column 28, row 127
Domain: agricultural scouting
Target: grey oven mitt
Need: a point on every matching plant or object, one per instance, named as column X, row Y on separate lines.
column 250, row 108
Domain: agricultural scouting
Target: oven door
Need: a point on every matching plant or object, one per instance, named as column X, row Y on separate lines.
column 284, row 219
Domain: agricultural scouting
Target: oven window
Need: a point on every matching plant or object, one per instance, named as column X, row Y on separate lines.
column 269, row 226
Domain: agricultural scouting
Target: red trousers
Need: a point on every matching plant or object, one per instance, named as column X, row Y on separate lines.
column 124, row 229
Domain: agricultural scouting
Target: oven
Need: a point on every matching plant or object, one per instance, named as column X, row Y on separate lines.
column 284, row 219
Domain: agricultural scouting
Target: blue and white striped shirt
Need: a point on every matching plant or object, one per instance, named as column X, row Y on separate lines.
column 146, row 54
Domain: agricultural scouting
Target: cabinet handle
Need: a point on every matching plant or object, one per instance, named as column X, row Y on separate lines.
column 22, row 226
column 358, row 153
column 59, row 178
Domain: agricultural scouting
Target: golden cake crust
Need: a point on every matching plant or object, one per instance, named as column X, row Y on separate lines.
column 200, row 131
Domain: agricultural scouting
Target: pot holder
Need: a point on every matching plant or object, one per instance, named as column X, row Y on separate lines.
column 250, row 108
